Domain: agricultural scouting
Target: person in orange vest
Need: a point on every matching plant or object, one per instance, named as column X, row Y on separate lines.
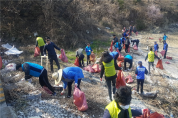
column 120, row 107
column 151, row 55
column 40, row 43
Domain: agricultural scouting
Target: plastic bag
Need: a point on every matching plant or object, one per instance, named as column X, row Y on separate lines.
column 10, row 67
column 63, row 56
column 120, row 57
column 76, row 61
column 135, row 47
column 167, row 57
column 92, row 57
column 159, row 64
column 136, row 33
column 96, row 68
column 119, row 63
column 46, row 89
column 111, row 46
column 120, row 80
column 124, row 46
column 80, row 100
column 162, row 52
column 150, row 38
column 146, row 114
column 167, row 62
column 0, row 62
column 129, row 79
column 156, row 115
column 89, row 68
column 37, row 52
column 156, row 53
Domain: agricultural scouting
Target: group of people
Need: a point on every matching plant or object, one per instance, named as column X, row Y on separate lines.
column 119, row 107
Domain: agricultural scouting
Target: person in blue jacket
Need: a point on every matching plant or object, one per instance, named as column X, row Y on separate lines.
column 129, row 59
column 165, row 37
column 118, row 45
column 165, row 47
column 68, row 76
column 88, row 51
column 114, row 54
column 32, row 69
column 156, row 47
column 140, row 74
column 49, row 46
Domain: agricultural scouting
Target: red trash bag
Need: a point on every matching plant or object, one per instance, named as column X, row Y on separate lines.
column 135, row 47
column 160, row 39
column 80, row 100
column 96, row 68
column 156, row 53
column 124, row 46
column 162, row 52
column 119, row 63
column 111, row 46
column 120, row 57
column 46, row 89
column 37, row 52
column 0, row 62
column 146, row 114
column 150, row 38
column 167, row 62
column 167, row 57
column 129, row 79
column 156, row 115
column 76, row 61
column 159, row 64
column 63, row 56
column 136, row 33
column 120, row 80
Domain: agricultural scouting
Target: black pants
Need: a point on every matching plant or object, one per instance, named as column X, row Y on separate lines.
column 43, row 80
column 81, row 57
column 41, row 50
column 126, row 48
column 165, row 54
column 88, row 59
column 137, row 43
column 150, row 64
column 51, row 58
column 108, row 82
column 129, row 61
column 69, row 84
column 140, row 81
column 120, row 49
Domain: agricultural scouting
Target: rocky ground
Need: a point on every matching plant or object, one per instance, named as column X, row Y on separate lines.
column 164, row 81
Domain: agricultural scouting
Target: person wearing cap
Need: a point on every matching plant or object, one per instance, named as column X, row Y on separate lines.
column 32, row 69
column 165, row 47
column 156, row 47
column 68, row 76
column 79, row 54
column 151, row 55
column 140, row 75
column 127, row 43
column 115, row 39
column 49, row 46
column 129, row 59
column 109, row 67
column 120, row 106
column 40, row 43
column 88, row 51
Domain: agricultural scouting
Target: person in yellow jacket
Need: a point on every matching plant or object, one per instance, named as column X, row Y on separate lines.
column 40, row 43
column 120, row 107
column 151, row 56
column 108, row 66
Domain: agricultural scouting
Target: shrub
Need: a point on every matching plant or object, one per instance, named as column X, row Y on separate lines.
column 140, row 24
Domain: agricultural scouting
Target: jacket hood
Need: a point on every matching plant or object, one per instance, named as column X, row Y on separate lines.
column 107, row 59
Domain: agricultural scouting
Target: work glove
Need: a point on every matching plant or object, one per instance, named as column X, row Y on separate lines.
column 44, row 55
column 62, row 93
column 89, row 50
column 100, row 79
column 76, row 84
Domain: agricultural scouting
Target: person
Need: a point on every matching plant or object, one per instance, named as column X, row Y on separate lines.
column 124, row 34
column 140, row 75
column 40, row 43
column 122, row 40
column 118, row 45
column 135, row 41
column 156, row 47
column 151, row 55
column 115, row 39
column 49, row 46
column 88, row 51
column 120, row 106
column 129, row 59
column 165, row 47
column 32, row 69
column 165, row 37
column 134, row 29
column 68, row 76
column 127, row 43
column 79, row 54
column 108, row 66
column 114, row 54
column 130, row 30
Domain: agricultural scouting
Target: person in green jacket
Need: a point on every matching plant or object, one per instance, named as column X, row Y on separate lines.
column 120, row 107
column 40, row 43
